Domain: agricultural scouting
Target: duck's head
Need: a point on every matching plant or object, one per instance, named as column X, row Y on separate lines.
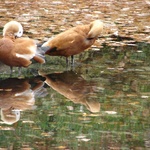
column 96, row 27
column 13, row 28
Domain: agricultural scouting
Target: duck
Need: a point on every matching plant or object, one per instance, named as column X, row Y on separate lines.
column 18, row 51
column 74, row 40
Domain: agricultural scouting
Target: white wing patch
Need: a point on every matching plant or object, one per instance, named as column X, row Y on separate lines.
column 33, row 48
column 46, row 43
column 25, row 56
column 28, row 56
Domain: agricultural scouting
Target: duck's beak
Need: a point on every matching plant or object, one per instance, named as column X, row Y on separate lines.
column 16, row 37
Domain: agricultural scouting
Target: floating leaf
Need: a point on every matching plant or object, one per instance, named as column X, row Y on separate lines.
column 111, row 112
column 144, row 96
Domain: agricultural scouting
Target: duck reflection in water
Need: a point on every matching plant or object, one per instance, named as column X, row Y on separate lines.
column 74, row 87
column 18, row 95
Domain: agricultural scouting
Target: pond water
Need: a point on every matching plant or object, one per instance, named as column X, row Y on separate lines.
column 101, row 103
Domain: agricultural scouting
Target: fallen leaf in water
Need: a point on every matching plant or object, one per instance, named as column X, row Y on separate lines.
column 80, row 136
column 111, row 112
column 61, row 147
column 70, row 108
column 85, row 140
column 27, row 121
column 134, row 103
column 144, row 96
column 7, row 128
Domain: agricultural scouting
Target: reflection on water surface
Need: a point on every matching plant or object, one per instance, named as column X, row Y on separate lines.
column 75, row 88
column 18, row 95
column 103, row 103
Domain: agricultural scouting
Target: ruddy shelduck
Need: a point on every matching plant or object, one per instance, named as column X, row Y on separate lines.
column 16, row 51
column 74, row 40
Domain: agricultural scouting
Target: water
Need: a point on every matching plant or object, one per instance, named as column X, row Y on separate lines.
column 101, row 103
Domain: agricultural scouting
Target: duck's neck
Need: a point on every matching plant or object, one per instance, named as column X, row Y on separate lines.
column 10, row 36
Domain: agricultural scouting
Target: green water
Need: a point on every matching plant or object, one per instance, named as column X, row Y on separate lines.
column 97, row 105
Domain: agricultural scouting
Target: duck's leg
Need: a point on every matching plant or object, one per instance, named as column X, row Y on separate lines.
column 11, row 71
column 19, row 71
column 72, row 60
column 67, row 62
